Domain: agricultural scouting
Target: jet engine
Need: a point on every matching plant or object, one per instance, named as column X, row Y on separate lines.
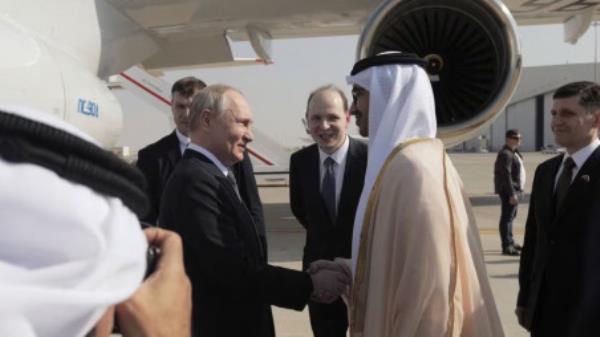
column 472, row 52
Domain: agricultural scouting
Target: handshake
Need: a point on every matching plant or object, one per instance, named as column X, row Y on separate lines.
column 330, row 279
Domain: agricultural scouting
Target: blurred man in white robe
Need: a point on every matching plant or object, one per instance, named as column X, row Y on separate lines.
column 71, row 246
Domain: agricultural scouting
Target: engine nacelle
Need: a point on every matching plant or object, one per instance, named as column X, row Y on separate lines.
column 474, row 58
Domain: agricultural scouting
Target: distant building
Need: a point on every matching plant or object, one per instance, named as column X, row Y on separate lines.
column 529, row 108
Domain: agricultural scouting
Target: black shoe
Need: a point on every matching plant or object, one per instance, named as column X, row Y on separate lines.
column 517, row 246
column 510, row 250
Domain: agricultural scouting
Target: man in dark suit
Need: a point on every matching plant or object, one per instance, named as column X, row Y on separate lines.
column 233, row 286
column 158, row 160
column 559, row 274
column 509, row 180
column 325, row 204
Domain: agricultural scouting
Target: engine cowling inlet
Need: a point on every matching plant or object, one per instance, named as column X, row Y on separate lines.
column 474, row 58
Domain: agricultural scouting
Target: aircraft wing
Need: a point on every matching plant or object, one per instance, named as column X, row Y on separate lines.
column 538, row 12
column 575, row 15
column 199, row 32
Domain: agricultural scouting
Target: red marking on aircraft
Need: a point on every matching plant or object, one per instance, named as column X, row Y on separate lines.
column 168, row 102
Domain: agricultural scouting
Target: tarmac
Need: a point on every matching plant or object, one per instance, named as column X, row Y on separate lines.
column 286, row 238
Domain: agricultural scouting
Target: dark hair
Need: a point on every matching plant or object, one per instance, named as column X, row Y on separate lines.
column 328, row 87
column 588, row 92
column 512, row 133
column 187, row 86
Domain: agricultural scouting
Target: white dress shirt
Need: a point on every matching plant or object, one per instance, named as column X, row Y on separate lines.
column 209, row 155
column 339, row 157
column 522, row 172
column 579, row 157
column 183, row 140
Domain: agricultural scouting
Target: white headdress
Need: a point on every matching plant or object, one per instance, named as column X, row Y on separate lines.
column 401, row 107
column 66, row 251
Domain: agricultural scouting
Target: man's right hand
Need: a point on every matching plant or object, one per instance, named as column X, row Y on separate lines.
column 162, row 306
column 513, row 200
column 522, row 316
column 330, row 280
column 328, row 285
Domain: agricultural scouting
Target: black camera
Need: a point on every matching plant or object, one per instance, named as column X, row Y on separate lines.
column 152, row 254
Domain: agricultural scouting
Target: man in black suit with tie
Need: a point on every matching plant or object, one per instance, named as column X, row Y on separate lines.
column 158, row 160
column 559, row 274
column 233, row 286
column 326, row 180
column 509, row 180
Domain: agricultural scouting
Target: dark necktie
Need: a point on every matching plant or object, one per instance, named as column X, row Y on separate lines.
column 231, row 178
column 564, row 181
column 328, row 188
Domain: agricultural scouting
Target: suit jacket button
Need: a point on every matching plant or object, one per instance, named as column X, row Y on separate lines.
column 552, row 242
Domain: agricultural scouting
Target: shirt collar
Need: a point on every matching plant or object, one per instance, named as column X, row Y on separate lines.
column 210, row 156
column 583, row 154
column 183, row 139
column 339, row 155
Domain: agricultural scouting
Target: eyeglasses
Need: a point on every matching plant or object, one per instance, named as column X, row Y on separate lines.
column 356, row 92
column 515, row 137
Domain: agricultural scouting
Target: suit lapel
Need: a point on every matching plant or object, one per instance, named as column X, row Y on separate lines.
column 350, row 177
column 168, row 159
column 234, row 200
column 241, row 208
column 174, row 154
column 580, row 187
column 546, row 191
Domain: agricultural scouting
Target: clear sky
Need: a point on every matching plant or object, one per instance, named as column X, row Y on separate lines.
column 277, row 93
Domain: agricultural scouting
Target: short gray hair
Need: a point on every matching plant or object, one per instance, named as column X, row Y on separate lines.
column 212, row 98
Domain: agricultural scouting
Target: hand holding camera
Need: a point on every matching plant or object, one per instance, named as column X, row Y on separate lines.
column 162, row 306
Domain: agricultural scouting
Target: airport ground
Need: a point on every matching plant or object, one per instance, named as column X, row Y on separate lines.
column 286, row 238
